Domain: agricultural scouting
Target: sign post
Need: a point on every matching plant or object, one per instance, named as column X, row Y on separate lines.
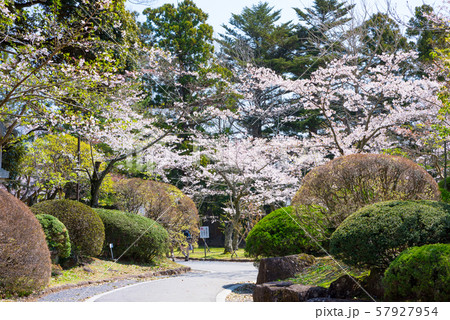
column 111, row 246
column 204, row 234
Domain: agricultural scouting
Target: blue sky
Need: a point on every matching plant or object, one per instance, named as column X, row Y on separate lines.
column 219, row 11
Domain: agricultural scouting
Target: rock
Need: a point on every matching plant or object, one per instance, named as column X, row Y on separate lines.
column 280, row 268
column 88, row 270
column 344, row 287
column 374, row 285
column 286, row 292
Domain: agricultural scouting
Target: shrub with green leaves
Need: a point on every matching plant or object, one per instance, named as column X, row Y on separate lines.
column 56, row 235
column 281, row 233
column 86, row 230
column 375, row 235
column 134, row 237
column 419, row 274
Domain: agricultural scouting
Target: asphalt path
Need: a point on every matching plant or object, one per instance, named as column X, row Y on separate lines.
column 204, row 283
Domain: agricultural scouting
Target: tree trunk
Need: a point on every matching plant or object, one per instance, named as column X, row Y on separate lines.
column 228, row 237
column 95, row 192
column 235, row 239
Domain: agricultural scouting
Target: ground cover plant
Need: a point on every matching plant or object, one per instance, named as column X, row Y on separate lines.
column 214, row 253
column 325, row 271
column 96, row 269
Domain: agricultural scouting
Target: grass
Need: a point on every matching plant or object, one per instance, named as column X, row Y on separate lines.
column 325, row 271
column 215, row 253
column 99, row 269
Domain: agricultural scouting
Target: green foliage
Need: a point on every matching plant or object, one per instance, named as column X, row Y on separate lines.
column 383, row 35
column 134, row 237
column 282, row 233
column 51, row 161
column 86, row 230
column 428, row 36
column 325, row 271
column 24, row 257
column 375, row 235
column 57, row 236
column 173, row 209
column 181, row 30
column 419, row 274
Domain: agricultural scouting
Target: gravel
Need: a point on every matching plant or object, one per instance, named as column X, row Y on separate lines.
column 243, row 293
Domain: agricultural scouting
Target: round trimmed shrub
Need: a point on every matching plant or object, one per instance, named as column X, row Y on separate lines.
column 56, row 235
column 375, row 235
column 24, row 257
column 419, row 274
column 351, row 182
column 134, row 237
column 282, row 233
column 86, row 230
column 174, row 210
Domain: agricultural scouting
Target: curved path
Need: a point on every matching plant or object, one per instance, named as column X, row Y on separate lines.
column 206, row 280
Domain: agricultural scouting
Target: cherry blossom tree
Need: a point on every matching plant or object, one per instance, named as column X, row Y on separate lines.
column 361, row 105
column 246, row 170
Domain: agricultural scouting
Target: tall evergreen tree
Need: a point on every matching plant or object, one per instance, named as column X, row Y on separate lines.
column 428, row 37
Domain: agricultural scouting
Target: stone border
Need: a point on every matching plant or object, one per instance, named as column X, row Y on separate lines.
column 222, row 295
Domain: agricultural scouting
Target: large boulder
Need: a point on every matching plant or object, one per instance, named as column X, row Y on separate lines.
column 280, row 268
column 345, row 287
column 287, row 292
column 24, row 256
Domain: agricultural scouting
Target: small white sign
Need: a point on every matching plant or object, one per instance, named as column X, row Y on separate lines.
column 204, row 232
column 111, row 245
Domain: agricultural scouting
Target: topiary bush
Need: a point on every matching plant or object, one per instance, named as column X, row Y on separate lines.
column 122, row 229
column 56, row 235
column 375, row 235
column 24, row 257
column 419, row 274
column 348, row 183
column 280, row 233
column 173, row 209
column 86, row 230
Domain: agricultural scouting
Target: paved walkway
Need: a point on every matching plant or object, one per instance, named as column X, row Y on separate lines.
column 207, row 280
column 204, row 283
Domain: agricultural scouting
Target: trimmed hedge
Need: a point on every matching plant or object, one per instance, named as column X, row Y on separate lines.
column 280, row 233
column 134, row 237
column 174, row 210
column 375, row 235
column 24, row 257
column 86, row 230
column 56, row 235
column 351, row 182
column 419, row 274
